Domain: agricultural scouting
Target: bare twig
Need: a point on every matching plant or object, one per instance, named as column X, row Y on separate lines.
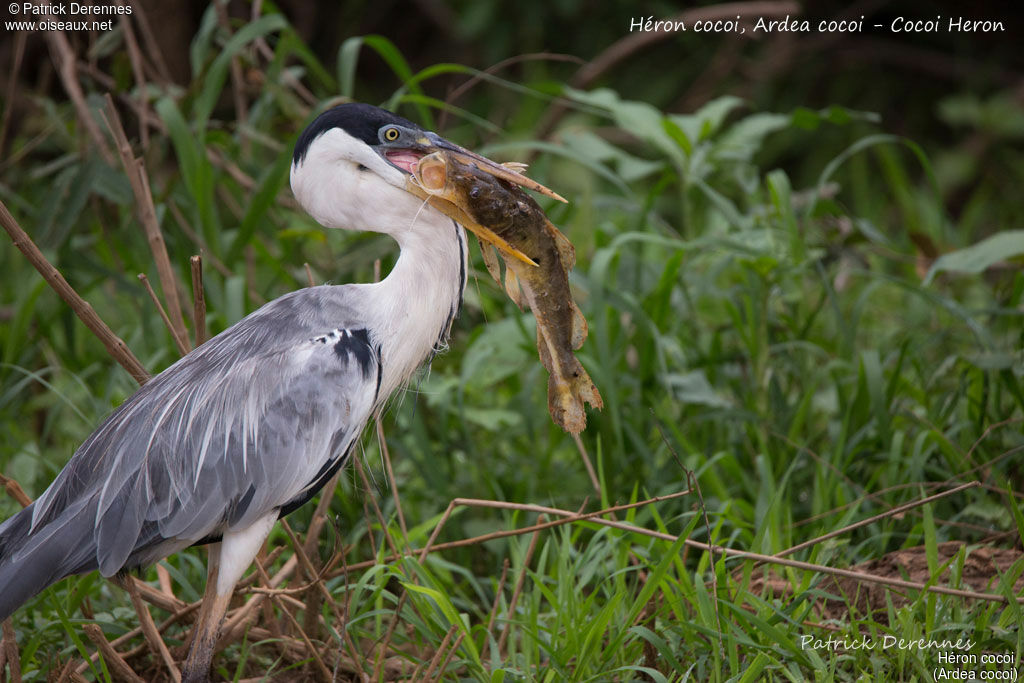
column 625, row 47
column 871, row 520
column 15, row 491
column 178, row 341
column 138, row 70
column 325, row 673
column 65, row 61
column 376, row 508
column 386, row 641
column 163, row 577
column 287, row 76
column 117, row 349
column 198, row 299
column 391, row 479
column 237, row 84
column 458, row 92
column 19, row 54
column 474, row 502
column 691, row 480
column 152, row 46
column 436, row 659
column 497, row 598
column 135, row 169
column 519, row 587
column 149, row 629
column 10, row 648
column 234, row 625
column 570, row 517
column 118, row 667
column 586, row 463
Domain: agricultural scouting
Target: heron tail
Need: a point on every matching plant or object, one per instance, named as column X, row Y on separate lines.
column 31, row 560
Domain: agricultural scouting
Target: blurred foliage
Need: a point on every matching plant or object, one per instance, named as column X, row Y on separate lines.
column 804, row 288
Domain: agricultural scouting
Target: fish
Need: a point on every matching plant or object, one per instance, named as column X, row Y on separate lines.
column 538, row 258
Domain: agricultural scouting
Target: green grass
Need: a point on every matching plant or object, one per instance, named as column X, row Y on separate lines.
column 777, row 328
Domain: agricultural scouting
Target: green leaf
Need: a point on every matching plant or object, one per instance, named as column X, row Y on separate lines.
column 639, row 118
column 746, row 135
column 694, row 387
column 978, row 257
column 217, row 74
column 348, row 57
column 264, row 197
column 707, row 120
column 195, row 167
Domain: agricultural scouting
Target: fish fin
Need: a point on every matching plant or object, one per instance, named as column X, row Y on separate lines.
column 490, row 260
column 543, row 351
column 507, row 174
column 516, row 167
column 514, row 289
column 579, row 327
column 567, row 395
column 565, row 249
column 456, row 212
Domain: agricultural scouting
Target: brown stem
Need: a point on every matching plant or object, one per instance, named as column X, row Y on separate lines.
column 135, row 57
column 65, row 61
column 9, row 644
column 135, row 169
column 149, row 629
column 19, row 54
column 519, row 587
column 117, row 349
column 15, row 491
column 178, row 341
column 198, row 299
column 118, row 667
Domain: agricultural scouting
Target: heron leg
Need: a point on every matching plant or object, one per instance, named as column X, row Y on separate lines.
column 228, row 561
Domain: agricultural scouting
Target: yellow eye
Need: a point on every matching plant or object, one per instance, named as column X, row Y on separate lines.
column 391, row 134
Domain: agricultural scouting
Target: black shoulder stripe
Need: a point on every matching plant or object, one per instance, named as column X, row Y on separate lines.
column 355, row 345
column 380, row 376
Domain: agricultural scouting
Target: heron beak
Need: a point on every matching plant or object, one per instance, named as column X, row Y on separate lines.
column 432, row 142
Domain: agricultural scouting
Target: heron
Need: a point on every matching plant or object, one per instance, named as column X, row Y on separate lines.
column 248, row 426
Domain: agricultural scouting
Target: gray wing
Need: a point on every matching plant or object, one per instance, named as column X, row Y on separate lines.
column 256, row 419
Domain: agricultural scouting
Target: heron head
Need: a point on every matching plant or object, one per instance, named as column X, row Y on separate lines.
column 350, row 166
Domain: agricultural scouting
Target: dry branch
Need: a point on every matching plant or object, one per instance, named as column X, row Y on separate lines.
column 19, row 54
column 497, row 598
column 593, row 517
column 135, row 57
column 178, row 341
column 118, row 667
column 436, row 659
column 627, row 46
column 870, row 520
column 149, row 629
column 65, row 61
column 198, row 299
column 9, row 645
column 117, row 349
column 519, row 586
column 15, row 491
column 135, row 169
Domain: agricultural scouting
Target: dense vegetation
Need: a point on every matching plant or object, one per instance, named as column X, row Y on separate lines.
column 810, row 318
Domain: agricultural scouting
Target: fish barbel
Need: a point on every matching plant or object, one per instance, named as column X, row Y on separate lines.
column 537, row 258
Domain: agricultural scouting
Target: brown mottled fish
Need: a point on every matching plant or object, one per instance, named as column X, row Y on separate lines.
column 537, row 258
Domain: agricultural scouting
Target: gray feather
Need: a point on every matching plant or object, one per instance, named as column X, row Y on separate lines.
column 241, row 426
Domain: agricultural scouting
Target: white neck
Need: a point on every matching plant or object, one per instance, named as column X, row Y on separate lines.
column 414, row 306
